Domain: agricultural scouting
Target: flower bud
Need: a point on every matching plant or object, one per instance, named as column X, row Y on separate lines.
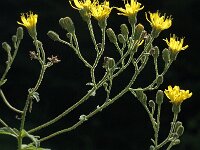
column 20, row 33
column 14, row 38
column 124, row 30
column 6, row 47
column 166, row 55
column 155, row 52
column 178, row 123
column 159, row 97
column 151, row 104
column 67, row 24
column 159, row 80
column 121, row 38
column 53, row 35
column 108, row 63
column 180, row 130
column 177, row 141
column 151, row 147
column 138, row 31
column 111, row 35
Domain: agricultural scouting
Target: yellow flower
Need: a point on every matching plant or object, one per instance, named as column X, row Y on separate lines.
column 82, row 4
column 159, row 22
column 102, row 11
column 176, row 95
column 175, row 45
column 29, row 21
column 130, row 8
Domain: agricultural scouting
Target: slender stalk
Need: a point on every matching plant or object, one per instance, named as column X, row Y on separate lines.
column 3, row 123
column 23, row 121
column 106, row 104
column 8, row 104
column 170, row 133
column 72, row 107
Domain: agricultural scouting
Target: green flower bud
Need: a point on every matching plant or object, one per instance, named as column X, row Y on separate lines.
column 180, row 130
column 166, row 55
column 138, row 31
column 159, row 80
column 6, row 47
column 121, row 38
column 152, row 104
column 14, row 38
column 178, row 123
column 124, row 30
column 53, row 35
column 151, row 147
column 177, row 141
column 156, row 52
column 108, row 63
column 20, row 33
column 159, row 97
column 111, row 35
column 67, row 24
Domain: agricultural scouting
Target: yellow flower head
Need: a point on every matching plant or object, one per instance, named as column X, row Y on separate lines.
column 101, row 11
column 175, row 44
column 29, row 20
column 82, row 4
column 176, row 95
column 159, row 22
column 130, row 8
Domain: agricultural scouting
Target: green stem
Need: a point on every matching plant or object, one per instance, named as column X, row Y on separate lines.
column 90, row 27
column 170, row 133
column 3, row 123
column 72, row 107
column 23, row 121
column 106, row 104
column 8, row 104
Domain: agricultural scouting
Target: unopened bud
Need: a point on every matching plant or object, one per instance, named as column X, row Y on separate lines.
column 180, row 130
column 159, row 97
column 151, row 147
column 108, row 63
column 6, row 47
column 159, row 80
column 151, row 104
column 14, row 38
column 138, row 31
column 124, row 30
column 53, row 35
column 156, row 52
column 67, row 24
column 111, row 35
column 166, row 55
column 177, row 141
column 178, row 124
column 121, row 38
column 20, row 33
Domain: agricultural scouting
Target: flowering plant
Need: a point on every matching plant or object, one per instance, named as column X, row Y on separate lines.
column 127, row 45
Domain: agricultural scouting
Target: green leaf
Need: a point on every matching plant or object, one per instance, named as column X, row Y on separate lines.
column 32, row 137
column 8, row 131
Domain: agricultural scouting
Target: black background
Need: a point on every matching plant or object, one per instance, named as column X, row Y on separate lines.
column 125, row 124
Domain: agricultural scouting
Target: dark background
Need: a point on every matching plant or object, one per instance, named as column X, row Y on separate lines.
column 125, row 124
